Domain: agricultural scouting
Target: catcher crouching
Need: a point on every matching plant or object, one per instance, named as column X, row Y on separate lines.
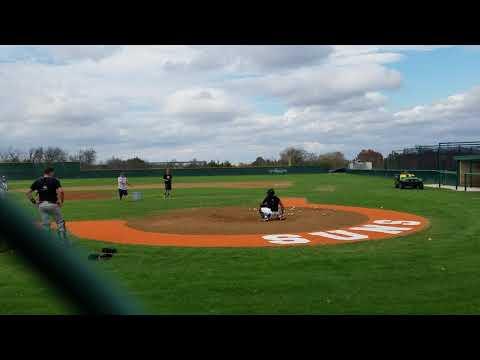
column 271, row 207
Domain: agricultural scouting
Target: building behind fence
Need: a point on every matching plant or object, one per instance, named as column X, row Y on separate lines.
column 468, row 170
column 360, row 165
column 448, row 163
column 439, row 157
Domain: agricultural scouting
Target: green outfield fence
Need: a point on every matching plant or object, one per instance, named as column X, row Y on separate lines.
column 202, row 171
column 27, row 171
column 72, row 170
column 428, row 176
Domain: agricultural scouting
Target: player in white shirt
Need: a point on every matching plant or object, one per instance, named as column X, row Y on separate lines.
column 3, row 186
column 122, row 186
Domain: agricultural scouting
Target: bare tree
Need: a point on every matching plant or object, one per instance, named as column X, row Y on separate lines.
column 55, row 154
column 34, row 155
column 332, row 160
column 259, row 161
column 292, row 156
column 115, row 163
column 136, row 163
column 297, row 156
column 85, row 157
column 38, row 155
column 89, row 156
column 11, row 155
column 310, row 158
column 30, row 155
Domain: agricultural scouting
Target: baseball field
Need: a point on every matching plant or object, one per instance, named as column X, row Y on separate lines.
column 205, row 250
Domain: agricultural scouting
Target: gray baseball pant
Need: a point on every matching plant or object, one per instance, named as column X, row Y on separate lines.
column 48, row 210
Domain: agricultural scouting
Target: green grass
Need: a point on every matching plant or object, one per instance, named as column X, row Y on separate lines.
column 431, row 272
column 24, row 184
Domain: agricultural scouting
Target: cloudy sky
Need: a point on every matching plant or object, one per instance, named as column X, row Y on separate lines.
column 237, row 102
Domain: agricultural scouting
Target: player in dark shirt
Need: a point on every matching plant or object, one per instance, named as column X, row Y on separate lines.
column 46, row 188
column 271, row 207
column 50, row 200
column 167, row 179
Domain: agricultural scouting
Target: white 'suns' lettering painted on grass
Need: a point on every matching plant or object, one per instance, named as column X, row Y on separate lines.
column 286, row 239
column 355, row 233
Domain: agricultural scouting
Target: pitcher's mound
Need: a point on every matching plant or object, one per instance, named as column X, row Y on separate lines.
column 236, row 220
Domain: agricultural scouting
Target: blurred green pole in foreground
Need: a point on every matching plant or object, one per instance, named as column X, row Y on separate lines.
column 61, row 266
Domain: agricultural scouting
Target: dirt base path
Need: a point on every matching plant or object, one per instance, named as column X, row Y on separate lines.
column 89, row 195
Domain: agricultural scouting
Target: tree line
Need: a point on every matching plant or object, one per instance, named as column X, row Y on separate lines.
column 47, row 155
column 291, row 156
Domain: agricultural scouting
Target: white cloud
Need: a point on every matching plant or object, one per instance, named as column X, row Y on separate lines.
column 56, row 53
column 254, row 58
column 325, row 84
column 69, row 53
column 204, row 105
column 165, row 102
column 353, row 50
column 454, row 110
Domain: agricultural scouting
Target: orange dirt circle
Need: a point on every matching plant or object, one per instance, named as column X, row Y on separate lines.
column 392, row 224
column 237, row 220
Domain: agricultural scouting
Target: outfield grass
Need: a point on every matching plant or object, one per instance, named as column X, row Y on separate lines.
column 24, row 184
column 431, row 272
